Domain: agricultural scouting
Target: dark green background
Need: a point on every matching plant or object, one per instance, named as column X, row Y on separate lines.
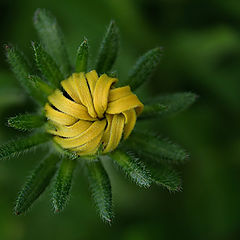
column 201, row 39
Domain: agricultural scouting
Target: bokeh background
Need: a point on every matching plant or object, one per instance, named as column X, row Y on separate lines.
column 201, row 39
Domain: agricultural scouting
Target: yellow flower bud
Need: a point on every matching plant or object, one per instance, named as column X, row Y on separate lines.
column 91, row 112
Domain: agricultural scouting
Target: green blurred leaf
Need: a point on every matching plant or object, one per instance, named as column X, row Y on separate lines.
column 132, row 168
column 63, row 183
column 26, row 122
column 21, row 69
column 164, row 176
column 22, row 144
column 36, row 184
column 152, row 111
column 47, row 65
column 108, row 50
column 82, row 57
column 174, row 103
column 10, row 93
column 101, row 189
column 144, row 68
column 150, row 146
column 10, row 97
column 52, row 38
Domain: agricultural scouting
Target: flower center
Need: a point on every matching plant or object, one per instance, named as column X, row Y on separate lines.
column 90, row 113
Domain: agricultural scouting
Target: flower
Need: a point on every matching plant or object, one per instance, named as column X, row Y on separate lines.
column 92, row 113
column 89, row 118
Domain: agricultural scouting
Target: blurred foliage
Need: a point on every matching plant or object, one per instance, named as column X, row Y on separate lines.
column 201, row 55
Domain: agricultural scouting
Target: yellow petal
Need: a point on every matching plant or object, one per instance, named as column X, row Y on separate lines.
column 130, row 121
column 70, row 89
column 100, row 97
column 58, row 117
column 117, row 93
column 93, row 131
column 115, row 132
column 72, row 131
column 106, row 134
column 124, row 104
column 67, row 106
column 92, row 78
column 84, row 94
column 90, row 147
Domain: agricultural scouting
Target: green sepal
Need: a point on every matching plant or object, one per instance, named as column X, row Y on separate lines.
column 174, row 103
column 23, row 144
column 26, row 122
column 21, row 69
column 134, row 169
column 82, row 57
column 62, row 184
column 164, row 176
column 101, row 191
column 36, row 184
column 65, row 153
column 52, row 39
column 152, row 111
column 44, row 89
column 47, row 65
column 144, row 68
column 154, row 147
column 108, row 49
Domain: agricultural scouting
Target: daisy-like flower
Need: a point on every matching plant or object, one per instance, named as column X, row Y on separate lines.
column 86, row 115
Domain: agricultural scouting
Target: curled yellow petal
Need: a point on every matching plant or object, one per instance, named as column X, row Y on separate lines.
column 84, row 93
column 117, row 93
column 58, row 117
column 91, row 112
column 69, row 107
column 130, row 121
column 92, row 78
column 72, row 130
column 101, row 92
column 124, row 104
column 69, row 87
column 116, row 131
column 86, row 136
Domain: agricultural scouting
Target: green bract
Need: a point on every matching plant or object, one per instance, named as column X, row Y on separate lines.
column 144, row 158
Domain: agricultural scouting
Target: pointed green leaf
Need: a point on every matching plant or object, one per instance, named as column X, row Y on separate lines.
column 164, row 176
column 36, row 184
column 22, row 144
column 108, row 50
column 26, row 122
column 63, row 183
column 82, row 57
column 144, row 68
column 52, row 38
column 174, row 103
column 47, row 65
column 100, row 187
column 21, row 69
column 151, row 146
column 132, row 167
column 152, row 110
